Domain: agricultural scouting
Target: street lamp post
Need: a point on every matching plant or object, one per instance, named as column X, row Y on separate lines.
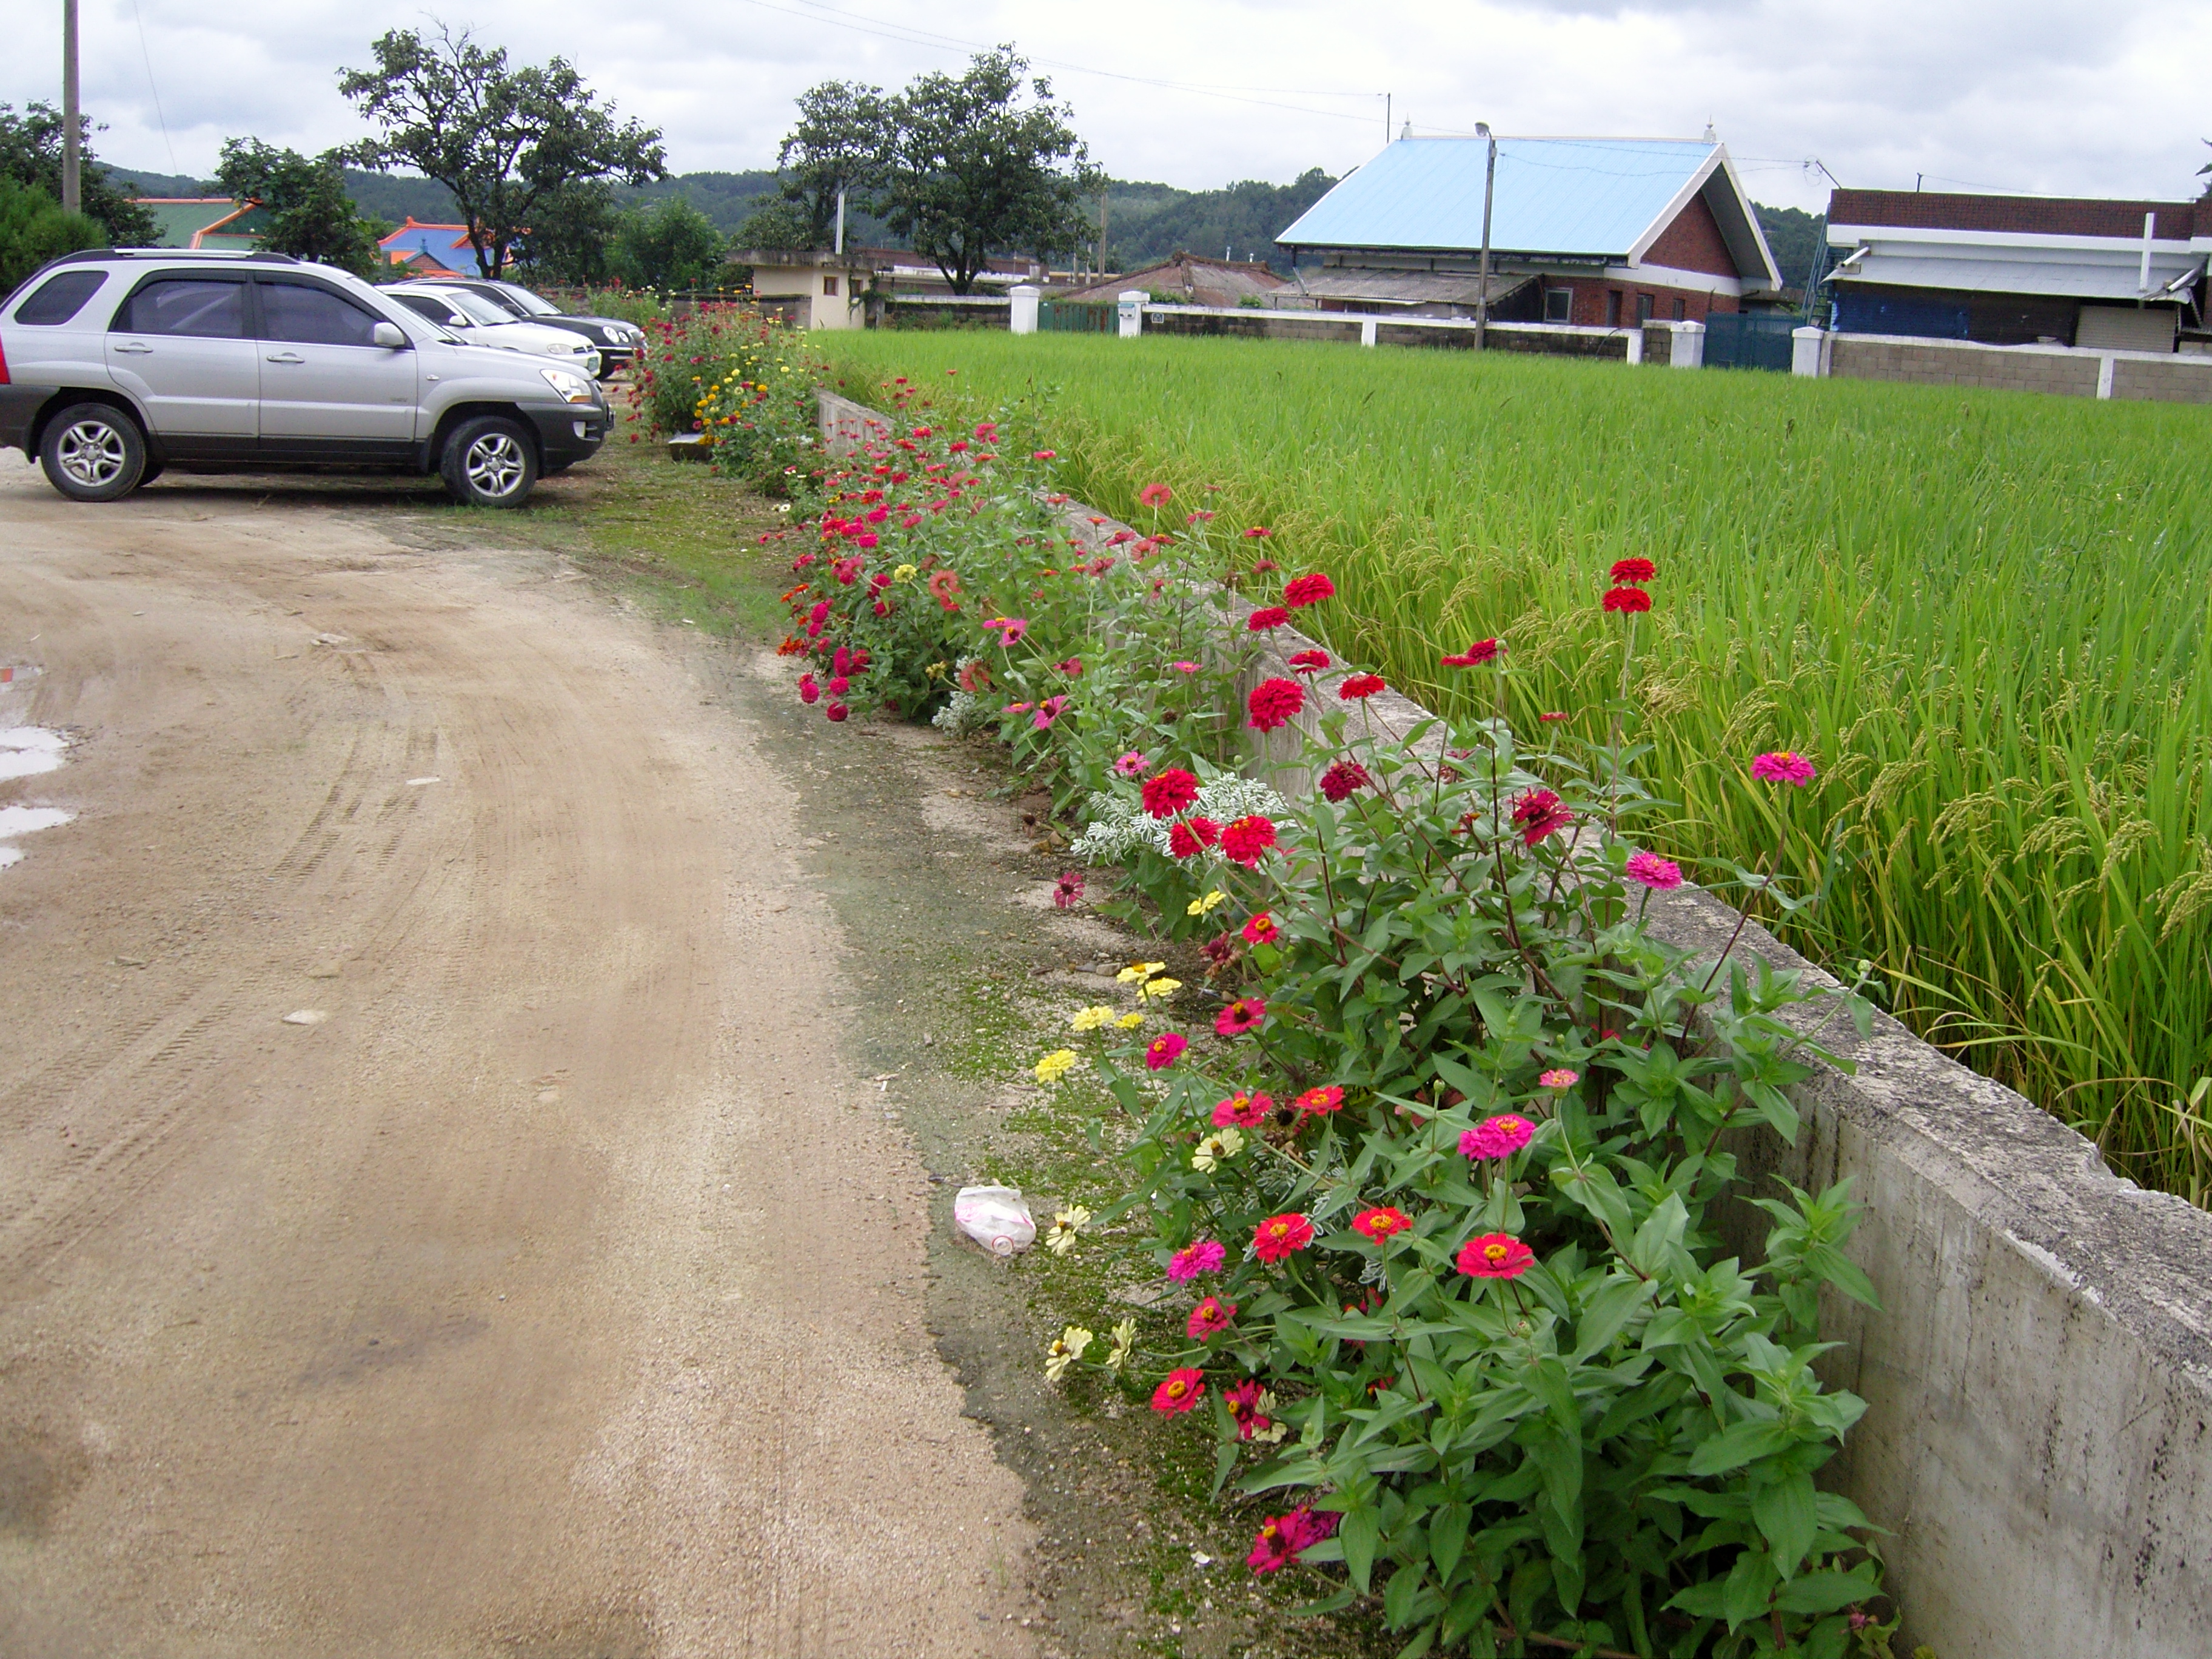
column 1482, row 278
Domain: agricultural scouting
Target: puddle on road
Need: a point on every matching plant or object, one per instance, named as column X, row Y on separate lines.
column 27, row 751
column 21, row 821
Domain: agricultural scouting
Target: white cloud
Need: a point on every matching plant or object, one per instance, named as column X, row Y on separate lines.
column 2035, row 94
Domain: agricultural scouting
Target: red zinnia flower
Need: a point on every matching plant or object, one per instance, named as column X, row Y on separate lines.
column 1339, row 782
column 1163, row 1050
column 1282, row 1537
column 1156, row 495
column 1245, row 1014
column 1242, row 1111
column 1243, row 1403
column 1209, row 1317
column 1379, row 1224
column 1626, row 600
column 1309, row 662
column 1220, row 951
column 1168, row 791
column 808, row 691
column 836, row 711
column 1191, row 836
column 1495, row 1255
column 1261, row 929
column 1244, row 840
column 1257, row 532
column 1316, row 1103
column 1632, row 572
column 1267, row 617
column 1278, row 1236
column 1180, row 1392
column 1273, row 702
column 1360, row 685
column 1312, row 589
column 1539, row 813
column 1783, row 766
column 1475, row 655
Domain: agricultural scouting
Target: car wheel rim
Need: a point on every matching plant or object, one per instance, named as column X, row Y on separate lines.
column 92, row 453
column 495, row 465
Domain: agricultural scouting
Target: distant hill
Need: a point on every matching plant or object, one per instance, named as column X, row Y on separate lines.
column 1793, row 236
column 160, row 183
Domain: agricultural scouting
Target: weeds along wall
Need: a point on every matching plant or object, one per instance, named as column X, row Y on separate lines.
column 2039, row 1441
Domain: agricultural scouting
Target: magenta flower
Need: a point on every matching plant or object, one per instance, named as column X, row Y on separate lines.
column 1560, row 1078
column 1184, row 667
column 1047, row 712
column 1204, row 1256
column 1068, row 889
column 1132, row 765
column 1165, row 1049
column 1783, row 766
column 1654, row 872
column 1010, row 630
column 1497, row 1137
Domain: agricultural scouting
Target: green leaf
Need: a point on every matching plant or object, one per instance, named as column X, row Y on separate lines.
column 1398, row 1599
column 1361, row 1531
column 1738, row 1445
column 1787, row 1513
column 1327, row 1604
column 1827, row 1592
column 1448, row 1537
column 1749, row 1586
column 1607, row 1313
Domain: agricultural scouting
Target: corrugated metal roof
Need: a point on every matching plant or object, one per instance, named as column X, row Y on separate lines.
column 1409, row 287
column 1586, row 197
column 2077, row 279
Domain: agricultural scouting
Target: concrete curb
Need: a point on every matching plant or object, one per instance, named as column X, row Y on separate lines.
column 2039, row 1378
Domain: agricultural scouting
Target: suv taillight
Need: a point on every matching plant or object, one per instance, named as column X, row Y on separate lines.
column 4, row 362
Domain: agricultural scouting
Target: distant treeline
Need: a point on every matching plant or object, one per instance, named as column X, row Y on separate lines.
column 1145, row 222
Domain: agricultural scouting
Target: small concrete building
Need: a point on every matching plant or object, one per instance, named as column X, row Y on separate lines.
column 2018, row 270
column 814, row 289
column 206, row 222
column 1603, row 233
column 1192, row 279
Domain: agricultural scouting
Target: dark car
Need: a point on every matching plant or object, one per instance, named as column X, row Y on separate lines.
column 617, row 341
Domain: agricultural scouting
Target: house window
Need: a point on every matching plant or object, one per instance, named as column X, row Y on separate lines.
column 830, row 287
column 1558, row 304
column 1642, row 308
column 1681, row 310
column 1612, row 308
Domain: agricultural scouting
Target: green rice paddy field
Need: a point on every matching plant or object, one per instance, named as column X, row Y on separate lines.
column 1983, row 614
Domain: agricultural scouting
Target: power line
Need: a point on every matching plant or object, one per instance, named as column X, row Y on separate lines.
column 148, row 57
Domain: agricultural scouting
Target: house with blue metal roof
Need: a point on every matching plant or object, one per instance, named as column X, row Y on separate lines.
column 430, row 250
column 1602, row 232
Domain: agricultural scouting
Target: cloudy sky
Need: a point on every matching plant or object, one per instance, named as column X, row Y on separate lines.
column 2054, row 96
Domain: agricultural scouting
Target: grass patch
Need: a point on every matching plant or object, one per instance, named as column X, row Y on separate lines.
column 1982, row 613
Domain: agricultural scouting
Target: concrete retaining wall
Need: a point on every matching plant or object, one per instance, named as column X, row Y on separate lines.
column 2039, row 1378
column 1358, row 328
column 2064, row 370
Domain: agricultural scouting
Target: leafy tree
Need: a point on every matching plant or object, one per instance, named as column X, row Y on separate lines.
column 670, row 244
column 572, row 233
column 975, row 169
column 310, row 215
column 34, row 229
column 31, row 153
column 507, row 142
column 776, row 224
column 840, row 143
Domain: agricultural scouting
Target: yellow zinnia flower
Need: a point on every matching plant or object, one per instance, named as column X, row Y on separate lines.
column 1056, row 1064
column 1162, row 987
column 1129, row 1022
column 1089, row 1019
column 1137, row 972
column 1199, row 907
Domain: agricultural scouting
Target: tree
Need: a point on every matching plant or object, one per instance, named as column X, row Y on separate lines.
column 572, row 233
column 310, row 215
column 34, row 229
column 670, row 244
column 973, row 169
column 840, row 143
column 778, row 224
column 31, row 153
column 507, row 142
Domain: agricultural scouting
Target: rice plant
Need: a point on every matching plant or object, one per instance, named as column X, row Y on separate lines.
column 1982, row 613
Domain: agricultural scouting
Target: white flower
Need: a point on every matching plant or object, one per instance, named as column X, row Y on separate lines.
column 1125, row 1338
column 1215, row 1147
column 1066, row 1348
column 1064, row 1226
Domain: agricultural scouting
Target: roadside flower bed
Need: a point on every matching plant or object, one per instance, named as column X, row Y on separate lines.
column 743, row 381
column 1431, row 1165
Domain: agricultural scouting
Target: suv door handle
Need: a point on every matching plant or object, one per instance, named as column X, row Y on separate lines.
column 286, row 357
column 133, row 346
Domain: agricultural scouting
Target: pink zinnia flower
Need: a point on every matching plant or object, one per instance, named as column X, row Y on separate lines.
column 1043, row 455
column 1280, row 1235
column 1783, row 766
column 1203, row 1255
column 1309, row 662
column 1156, row 495
column 808, row 691
column 1163, row 1049
column 1319, row 1103
column 836, row 711
column 1180, row 1392
column 1261, row 929
column 1380, row 1223
column 1360, row 685
column 1341, row 780
column 1242, row 1111
column 1282, row 1537
column 1184, row 667
column 1496, row 1136
column 1010, row 630
column 1049, row 711
column 1167, row 792
column 1256, row 533
column 1495, row 1255
column 1539, row 813
column 1560, row 1078
column 1209, row 1318
column 1068, row 889
column 1273, row 703
column 1654, row 872
column 838, row 686
column 1245, row 1014
column 1553, row 715
column 1243, row 1403
column 1244, row 840
column 1475, row 655
column 1131, row 764
column 1302, row 591
column 1267, row 617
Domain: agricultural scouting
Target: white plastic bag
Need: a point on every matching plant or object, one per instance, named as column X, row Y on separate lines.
column 995, row 1217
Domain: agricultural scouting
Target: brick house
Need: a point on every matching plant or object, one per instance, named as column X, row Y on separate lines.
column 2018, row 270
column 1602, row 232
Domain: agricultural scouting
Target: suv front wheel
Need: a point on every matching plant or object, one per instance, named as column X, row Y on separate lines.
column 488, row 462
column 92, row 453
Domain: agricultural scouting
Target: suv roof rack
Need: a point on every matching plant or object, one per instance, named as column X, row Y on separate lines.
column 235, row 256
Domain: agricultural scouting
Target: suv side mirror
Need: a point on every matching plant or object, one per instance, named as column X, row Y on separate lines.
column 388, row 335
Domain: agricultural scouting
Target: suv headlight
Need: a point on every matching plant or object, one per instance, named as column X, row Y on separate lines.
column 570, row 388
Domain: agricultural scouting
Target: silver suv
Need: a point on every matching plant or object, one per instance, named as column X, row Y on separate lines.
column 116, row 363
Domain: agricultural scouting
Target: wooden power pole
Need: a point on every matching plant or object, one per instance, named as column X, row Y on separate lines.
column 72, row 199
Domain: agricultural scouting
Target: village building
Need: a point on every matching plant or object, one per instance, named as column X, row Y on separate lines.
column 1602, row 232
column 206, row 222
column 1189, row 279
column 2018, row 270
column 420, row 249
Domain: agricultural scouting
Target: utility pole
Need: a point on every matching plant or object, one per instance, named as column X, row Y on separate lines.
column 72, row 199
column 1102, row 230
column 839, row 249
column 1386, row 117
column 1482, row 277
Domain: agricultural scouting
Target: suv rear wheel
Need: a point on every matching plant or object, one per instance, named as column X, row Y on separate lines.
column 92, row 453
column 488, row 462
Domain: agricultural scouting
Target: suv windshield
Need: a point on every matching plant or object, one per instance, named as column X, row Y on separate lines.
column 474, row 307
column 532, row 305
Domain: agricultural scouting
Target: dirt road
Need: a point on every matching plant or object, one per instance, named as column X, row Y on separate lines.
column 548, row 1297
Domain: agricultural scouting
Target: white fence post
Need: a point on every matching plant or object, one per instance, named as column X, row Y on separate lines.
column 1367, row 331
column 2104, row 373
column 1805, row 353
column 1689, row 345
column 1022, row 318
column 1130, row 311
column 1635, row 345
